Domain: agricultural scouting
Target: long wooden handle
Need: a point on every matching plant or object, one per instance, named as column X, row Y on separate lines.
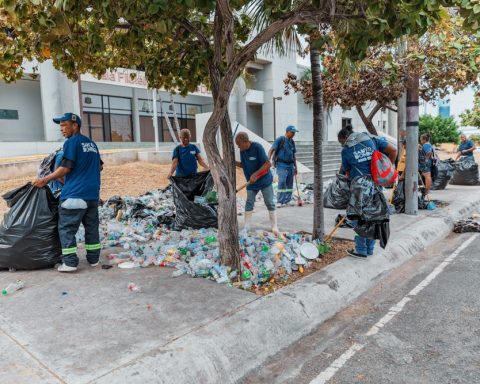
column 243, row 187
column 329, row 236
column 260, row 175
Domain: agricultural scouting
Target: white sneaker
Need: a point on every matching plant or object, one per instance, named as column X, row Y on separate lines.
column 95, row 264
column 279, row 205
column 66, row 268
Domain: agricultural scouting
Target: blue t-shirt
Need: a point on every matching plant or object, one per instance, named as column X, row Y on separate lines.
column 83, row 181
column 357, row 159
column 286, row 154
column 426, row 149
column 187, row 159
column 466, row 145
column 252, row 160
column 56, row 184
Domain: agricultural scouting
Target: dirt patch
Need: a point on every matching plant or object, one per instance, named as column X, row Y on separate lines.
column 130, row 179
column 338, row 251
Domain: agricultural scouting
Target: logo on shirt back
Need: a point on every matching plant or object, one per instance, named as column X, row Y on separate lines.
column 364, row 154
column 192, row 152
column 89, row 147
column 252, row 158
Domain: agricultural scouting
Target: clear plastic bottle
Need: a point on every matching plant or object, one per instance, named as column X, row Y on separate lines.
column 13, row 287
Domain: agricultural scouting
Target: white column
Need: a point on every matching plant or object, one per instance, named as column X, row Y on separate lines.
column 59, row 95
column 155, row 119
column 135, row 116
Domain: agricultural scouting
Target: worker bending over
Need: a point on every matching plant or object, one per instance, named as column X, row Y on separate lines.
column 256, row 168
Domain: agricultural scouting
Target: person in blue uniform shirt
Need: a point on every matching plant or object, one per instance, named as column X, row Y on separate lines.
column 254, row 162
column 80, row 168
column 185, row 157
column 466, row 148
column 357, row 151
column 425, row 161
column 283, row 152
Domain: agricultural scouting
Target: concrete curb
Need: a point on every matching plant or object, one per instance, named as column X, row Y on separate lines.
column 232, row 345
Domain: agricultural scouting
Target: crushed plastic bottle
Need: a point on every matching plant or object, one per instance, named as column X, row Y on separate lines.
column 134, row 287
column 13, row 287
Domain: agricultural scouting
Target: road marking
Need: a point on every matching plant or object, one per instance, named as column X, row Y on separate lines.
column 328, row 373
column 337, row 364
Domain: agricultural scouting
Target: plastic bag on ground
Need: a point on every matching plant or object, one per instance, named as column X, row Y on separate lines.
column 443, row 174
column 188, row 213
column 28, row 233
column 337, row 194
column 466, row 173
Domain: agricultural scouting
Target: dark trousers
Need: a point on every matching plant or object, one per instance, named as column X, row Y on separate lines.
column 69, row 221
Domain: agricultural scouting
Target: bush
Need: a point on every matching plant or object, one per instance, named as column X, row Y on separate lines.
column 475, row 138
column 441, row 129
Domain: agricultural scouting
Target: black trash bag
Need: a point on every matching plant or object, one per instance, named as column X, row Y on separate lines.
column 189, row 214
column 11, row 197
column 367, row 201
column 466, row 173
column 117, row 203
column 337, row 194
column 346, row 223
column 29, row 231
column 444, row 172
column 398, row 199
column 375, row 231
column 47, row 165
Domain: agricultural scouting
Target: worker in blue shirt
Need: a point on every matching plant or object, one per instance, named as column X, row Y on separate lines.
column 185, row 157
column 283, row 152
column 466, row 148
column 357, row 154
column 425, row 161
column 254, row 162
column 80, row 168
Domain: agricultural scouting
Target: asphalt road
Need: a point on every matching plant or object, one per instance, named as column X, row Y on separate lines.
column 420, row 324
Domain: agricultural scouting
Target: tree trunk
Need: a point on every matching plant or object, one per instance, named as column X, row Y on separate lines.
column 175, row 117
column 367, row 120
column 317, row 89
column 411, row 171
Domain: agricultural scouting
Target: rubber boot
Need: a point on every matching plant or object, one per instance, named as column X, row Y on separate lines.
column 273, row 221
column 248, row 220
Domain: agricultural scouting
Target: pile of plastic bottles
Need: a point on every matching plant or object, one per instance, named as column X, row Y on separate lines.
column 140, row 237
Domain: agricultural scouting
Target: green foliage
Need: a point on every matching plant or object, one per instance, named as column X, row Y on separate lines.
column 475, row 138
column 441, row 129
column 471, row 117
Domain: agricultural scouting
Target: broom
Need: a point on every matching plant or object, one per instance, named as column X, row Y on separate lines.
column 260, row 175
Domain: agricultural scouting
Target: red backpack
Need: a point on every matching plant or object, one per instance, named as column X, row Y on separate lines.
column 383, row 171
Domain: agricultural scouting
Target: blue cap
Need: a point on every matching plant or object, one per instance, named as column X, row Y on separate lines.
column 291, row 128
column 69, row 116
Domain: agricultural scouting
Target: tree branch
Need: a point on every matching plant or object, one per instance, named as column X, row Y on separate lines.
column 192, row 29
column 374, row 111
column 228, row 23
column 391, row 108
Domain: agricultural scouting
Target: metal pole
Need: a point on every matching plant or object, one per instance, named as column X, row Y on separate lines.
column 411, row 171
column 155, row 119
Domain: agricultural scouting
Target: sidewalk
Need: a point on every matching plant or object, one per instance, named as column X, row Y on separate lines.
column 89, row 328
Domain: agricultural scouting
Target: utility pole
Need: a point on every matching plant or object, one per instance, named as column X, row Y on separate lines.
column 155, row 119
column 411, row 171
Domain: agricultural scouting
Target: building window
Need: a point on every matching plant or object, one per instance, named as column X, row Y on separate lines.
column 8, row 114
column 185, row 115
column 346, row 121
column 107, row 118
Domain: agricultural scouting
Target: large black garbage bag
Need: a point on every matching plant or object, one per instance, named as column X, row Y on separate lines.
column 466, row 173
column 188, row 213
column 29, row 231
column 375, row 231
column 47, row 165
column 337, row 194
column 367, row 201
column 444, row 172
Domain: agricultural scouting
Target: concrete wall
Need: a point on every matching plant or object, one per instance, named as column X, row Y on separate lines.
column 23, row 96
column 255, row 119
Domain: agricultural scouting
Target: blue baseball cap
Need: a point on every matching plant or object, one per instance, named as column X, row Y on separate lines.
column 291, row 128
column 69, row 116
